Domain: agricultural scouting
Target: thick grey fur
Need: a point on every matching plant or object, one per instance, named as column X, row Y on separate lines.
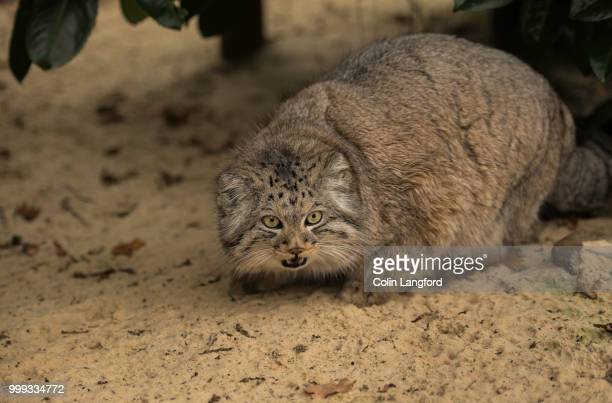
column 418, row 140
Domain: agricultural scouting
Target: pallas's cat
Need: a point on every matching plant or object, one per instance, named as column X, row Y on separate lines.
column 418, row 140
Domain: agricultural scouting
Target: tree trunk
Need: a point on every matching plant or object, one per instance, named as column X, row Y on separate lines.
column 246, row 37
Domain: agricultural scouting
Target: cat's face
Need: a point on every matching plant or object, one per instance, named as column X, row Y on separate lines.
column 288, row 212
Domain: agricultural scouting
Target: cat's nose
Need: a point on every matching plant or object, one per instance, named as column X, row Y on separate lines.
column 296, row 250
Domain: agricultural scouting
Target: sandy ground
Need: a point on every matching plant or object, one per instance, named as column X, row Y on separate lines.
column 123, row 144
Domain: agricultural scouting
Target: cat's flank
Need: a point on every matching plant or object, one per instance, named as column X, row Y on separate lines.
column 418, row 140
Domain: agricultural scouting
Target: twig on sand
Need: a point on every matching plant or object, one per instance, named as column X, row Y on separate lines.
column 67, row 207
column 75, row 331
column 80, row 197
column 243, row 331
column 216, row 350
column 103, row 274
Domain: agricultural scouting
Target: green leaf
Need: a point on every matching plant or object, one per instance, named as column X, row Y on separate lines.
column 591, row 10
column 19, row 60
column 132, row 12
column 600, row 51
column 217, row 16
column 57, row 30
column 165, row 12
column 479, row 5
column 534, row 17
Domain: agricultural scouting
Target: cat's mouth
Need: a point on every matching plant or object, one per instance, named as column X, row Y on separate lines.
column 295, row 262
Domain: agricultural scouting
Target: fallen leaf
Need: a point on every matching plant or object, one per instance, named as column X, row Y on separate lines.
column 96, row 346
column 211, row 280
column 300, row 348
column 103, row 274
column 606, row 326
column 184, row 263
column 178, row 115
column 418, row 318
column 328, row 389
column 29, row 249
column 74, row 331
column 112, row 151
column 128, row 248
column 108, row 108
column 257, row 379
column 110, row 179
column 27, row 212
column 168, row 179
column 5, row 339
column 386, row 388
column 59, row 249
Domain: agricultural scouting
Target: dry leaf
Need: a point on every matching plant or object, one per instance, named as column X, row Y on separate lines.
column 108, row 109
column 178, row 115
column 27, row 212
column 167, row 179
column 128, row 248
column 606, row 326
column 386, row 388
column 29, row 249
column 59, row 249
column 109, row 179
column 328, row 389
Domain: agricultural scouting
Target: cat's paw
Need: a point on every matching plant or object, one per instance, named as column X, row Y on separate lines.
column 352, row 292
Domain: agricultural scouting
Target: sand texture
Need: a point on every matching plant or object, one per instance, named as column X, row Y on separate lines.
column 112, row 278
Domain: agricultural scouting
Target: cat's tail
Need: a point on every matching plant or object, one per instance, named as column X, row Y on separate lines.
column 585, row 179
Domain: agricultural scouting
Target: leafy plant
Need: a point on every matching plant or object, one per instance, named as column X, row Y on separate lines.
column 50, row 33
column 552, row 30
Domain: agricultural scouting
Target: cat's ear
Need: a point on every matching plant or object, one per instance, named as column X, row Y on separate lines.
column 235, row 203
column 232, row 189
column 338, row 182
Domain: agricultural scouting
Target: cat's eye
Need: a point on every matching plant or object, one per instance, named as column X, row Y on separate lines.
column 314, row 218
column 271, row 222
